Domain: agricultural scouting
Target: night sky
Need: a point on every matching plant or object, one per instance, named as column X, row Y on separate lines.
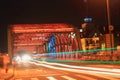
column 54, row 11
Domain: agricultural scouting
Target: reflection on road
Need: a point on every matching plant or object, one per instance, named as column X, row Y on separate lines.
column 41, row 70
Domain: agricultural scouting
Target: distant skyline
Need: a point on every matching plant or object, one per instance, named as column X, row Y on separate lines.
column 54, row 11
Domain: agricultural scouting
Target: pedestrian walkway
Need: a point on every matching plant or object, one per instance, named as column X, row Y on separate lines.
column 67, row 77
column 62, row 77
column 6, row 75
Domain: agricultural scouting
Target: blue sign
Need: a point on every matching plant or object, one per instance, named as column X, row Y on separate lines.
column 88, row 19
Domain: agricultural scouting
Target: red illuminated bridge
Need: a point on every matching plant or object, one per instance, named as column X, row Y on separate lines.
column 43, row 38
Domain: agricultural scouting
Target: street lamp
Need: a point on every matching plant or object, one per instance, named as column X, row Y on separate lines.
column 108, row 12
column 110, row 27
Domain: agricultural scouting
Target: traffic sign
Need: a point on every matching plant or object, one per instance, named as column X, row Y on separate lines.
column 111, row 27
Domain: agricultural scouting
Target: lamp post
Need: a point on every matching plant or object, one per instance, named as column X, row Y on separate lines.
column 110, row 27
column 108, row 12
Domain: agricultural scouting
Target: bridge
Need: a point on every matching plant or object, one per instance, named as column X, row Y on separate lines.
column 42, row 38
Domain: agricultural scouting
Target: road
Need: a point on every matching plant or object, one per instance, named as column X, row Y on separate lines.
column 37, row 70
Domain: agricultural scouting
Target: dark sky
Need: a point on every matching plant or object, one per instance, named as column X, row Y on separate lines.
column 43, row 11
column 54, row 11
column 37, row 11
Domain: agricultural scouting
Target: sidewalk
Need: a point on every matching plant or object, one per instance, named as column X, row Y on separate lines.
column 8, row 75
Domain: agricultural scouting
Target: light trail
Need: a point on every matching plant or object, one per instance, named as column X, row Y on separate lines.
column 94, row 73
column 51, row 78
column 91, row 68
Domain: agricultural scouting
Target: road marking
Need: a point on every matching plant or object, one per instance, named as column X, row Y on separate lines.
column 68, row 78
column 18, row 79
column 86, row 77
column 106, row 77
column 34, row 79
column 51, row 78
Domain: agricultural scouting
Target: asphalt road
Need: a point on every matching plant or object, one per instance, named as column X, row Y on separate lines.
column 36, row 70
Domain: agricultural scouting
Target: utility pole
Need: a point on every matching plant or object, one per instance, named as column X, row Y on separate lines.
column 10, row 44
column 108, row 12
column 110, row 27
column 78, row 39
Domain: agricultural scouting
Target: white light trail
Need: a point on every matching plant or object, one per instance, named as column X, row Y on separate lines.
column 79, row 67
column 51, row 78
column 78, row 70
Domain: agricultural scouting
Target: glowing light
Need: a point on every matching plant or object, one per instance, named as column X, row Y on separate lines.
column 23, row 28
column 83, row 51
column 25, row 58
column 44, row 30
column 18, row 59
column 88, row 19
column 80, row 69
